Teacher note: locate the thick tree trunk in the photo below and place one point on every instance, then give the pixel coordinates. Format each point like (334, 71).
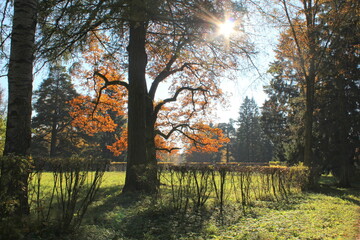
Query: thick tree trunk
(138, 177)
(20, 78)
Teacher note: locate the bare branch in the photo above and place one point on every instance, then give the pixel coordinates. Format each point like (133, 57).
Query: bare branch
(107, 83)
(167, 149)
(174, 129)
(166, 72)
(174, 98)
(178, 128)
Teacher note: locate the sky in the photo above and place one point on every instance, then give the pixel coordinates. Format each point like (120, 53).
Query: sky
(250, 83)
(246, 84)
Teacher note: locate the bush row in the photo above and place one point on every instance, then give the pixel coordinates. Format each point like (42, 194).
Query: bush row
(194, 186)
(57, 203)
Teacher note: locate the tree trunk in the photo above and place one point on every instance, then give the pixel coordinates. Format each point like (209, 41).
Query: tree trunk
(310, 77)
(20, 78)
(54, 127)
(137, 177)
(308, 139)
(151, 173)
(344, 129)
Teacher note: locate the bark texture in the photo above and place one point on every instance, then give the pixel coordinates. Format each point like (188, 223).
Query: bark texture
(20, 78)
(139, 172)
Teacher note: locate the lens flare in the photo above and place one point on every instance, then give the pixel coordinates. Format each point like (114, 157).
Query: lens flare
(226, 28)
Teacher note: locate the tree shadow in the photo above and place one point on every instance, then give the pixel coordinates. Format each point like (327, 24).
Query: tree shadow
(328, 186)
(343, 193)
(164, 223)
(135, 216)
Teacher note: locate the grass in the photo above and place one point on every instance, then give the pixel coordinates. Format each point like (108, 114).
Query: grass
(331, 213)
(308, 216)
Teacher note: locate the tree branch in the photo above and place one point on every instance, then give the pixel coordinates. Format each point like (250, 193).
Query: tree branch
(107, 83)
(167, 149)
(166, 72)
(174, 98)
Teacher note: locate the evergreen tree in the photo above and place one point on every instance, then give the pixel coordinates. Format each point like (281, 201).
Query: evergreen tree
(229, 148)
(338, 127)
(253, 145)
(280, 117)
(52, 121)
(335, 100)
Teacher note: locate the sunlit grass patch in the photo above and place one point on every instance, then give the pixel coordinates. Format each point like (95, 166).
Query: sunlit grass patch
(313, 216)
(332, 213)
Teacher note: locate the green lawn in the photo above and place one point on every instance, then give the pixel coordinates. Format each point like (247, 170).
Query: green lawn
(331, 213)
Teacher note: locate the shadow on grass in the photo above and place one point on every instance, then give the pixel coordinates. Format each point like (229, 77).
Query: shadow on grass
(134, 216)
(328, 186)
(163, 223)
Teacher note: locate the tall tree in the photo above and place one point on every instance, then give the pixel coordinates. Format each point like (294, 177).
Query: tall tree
(304, 30)
(280, 112)
(339, 91)
(52, 107)
(332, 29)
(251, 140)
(20, 78)
(174, 41)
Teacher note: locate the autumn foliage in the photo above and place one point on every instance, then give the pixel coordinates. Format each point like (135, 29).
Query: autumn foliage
(181, 121)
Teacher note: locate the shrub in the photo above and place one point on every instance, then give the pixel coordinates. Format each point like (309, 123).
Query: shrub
(75, 182)
(193, 185)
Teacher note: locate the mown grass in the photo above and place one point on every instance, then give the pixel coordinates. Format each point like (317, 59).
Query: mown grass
(331, 213)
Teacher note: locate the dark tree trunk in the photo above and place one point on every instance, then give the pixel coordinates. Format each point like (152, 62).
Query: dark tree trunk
(308, 138)
(20, 78)
(138, 170)
(55, 121)
(151, 147)
(344, 129)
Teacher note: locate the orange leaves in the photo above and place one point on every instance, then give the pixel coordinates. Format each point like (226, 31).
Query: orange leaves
(95, 112)
(89, 119)
(120, 145)
(204, 138)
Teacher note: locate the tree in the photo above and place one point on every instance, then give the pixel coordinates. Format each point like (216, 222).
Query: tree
(280, 113)
(182, 49)
(338, 101)
(252, 143)
(20, 77)
(326, 30)
(52, 108)
(229, 132)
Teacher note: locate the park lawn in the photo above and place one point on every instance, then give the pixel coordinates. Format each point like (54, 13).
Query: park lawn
(331, 213)
(307, 216)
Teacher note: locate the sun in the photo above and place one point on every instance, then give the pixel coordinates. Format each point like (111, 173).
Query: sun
(226, 28)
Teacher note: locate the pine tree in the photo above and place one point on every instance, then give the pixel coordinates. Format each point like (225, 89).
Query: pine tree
(253, 145)
(52, 120)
